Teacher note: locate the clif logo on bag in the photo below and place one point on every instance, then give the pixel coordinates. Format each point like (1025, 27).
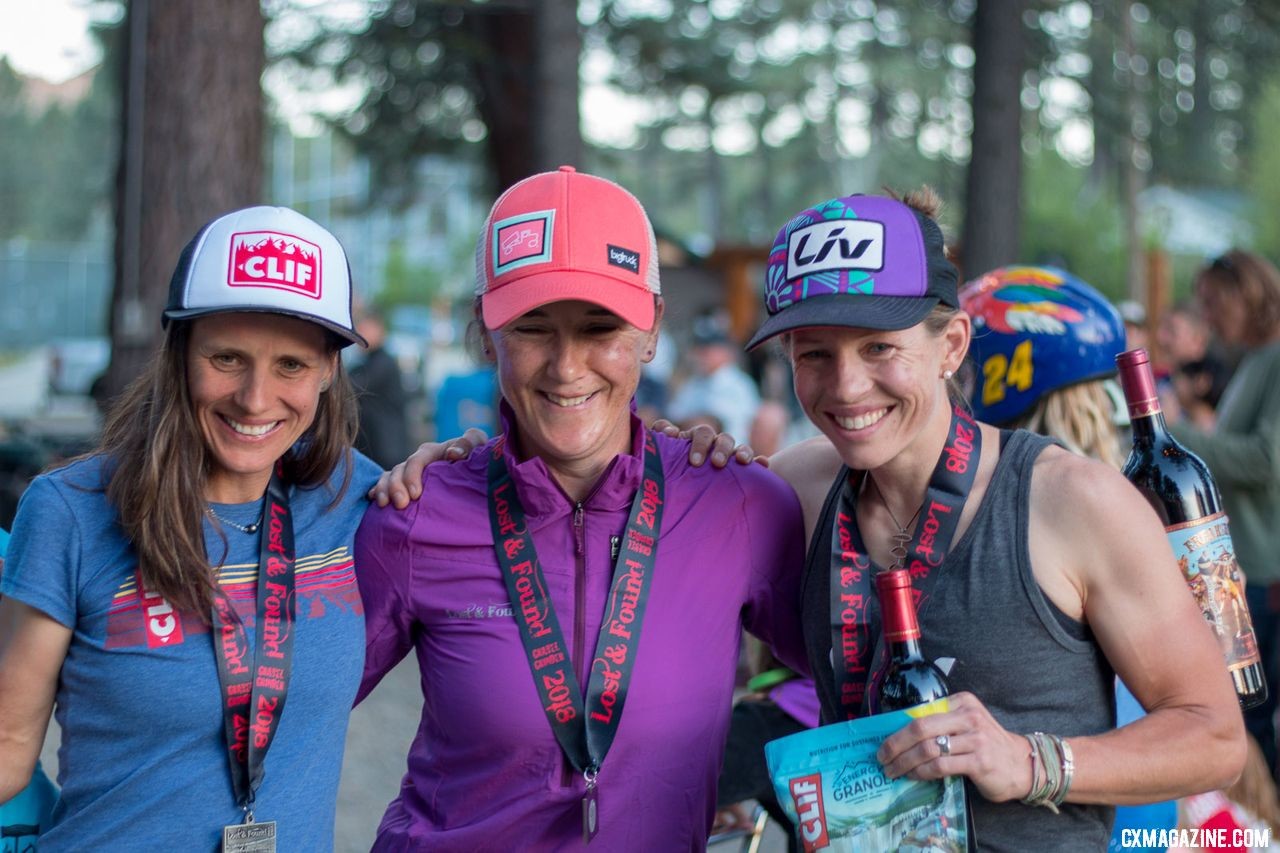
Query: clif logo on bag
(272, 259)
(806, 791)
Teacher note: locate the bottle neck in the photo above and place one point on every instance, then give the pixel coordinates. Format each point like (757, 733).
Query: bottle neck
(901, 630)
(1149, 428)
(1139, 385)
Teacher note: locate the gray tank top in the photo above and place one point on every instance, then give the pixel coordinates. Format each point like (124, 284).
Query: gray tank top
(1034, 667)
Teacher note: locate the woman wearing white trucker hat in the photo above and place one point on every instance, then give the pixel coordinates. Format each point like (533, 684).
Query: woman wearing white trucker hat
(574, 590)
(1039, 573)
(132, 593)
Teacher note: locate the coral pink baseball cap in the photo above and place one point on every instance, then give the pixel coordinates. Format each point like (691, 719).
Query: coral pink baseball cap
(567, 235)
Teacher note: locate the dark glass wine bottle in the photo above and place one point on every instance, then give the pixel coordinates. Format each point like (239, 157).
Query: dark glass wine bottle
(908, 679)
(1179, 486)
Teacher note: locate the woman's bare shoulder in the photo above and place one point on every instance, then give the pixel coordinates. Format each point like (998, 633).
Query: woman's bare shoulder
(809, 466)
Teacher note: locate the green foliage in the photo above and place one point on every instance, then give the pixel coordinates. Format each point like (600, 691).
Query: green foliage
(1068, 222)
(1264, 170)
(406, 283)
(56, 164)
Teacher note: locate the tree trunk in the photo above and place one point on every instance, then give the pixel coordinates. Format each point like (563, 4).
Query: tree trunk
(556, 126)
(1136, 266)
(504, 73)
(193, 130)
(993, 186)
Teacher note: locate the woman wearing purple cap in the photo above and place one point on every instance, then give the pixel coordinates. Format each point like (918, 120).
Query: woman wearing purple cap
(1040, 574)
(132, 596)
(575, 589)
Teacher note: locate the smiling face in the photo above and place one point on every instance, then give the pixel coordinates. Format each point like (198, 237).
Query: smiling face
(255, 382)
(569, 370)
(874, 393)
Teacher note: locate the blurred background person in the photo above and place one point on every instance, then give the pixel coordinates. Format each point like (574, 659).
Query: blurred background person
(1134, 315)
(1196, 368)
(719, 393)
(468, 399)
(1239, 296)
(380, 394)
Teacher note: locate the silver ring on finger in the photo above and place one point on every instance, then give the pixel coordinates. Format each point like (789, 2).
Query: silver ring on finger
(944, 744)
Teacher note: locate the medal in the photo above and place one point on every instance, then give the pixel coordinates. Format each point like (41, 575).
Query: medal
(590, 808)
(255, 682)
(249, 837)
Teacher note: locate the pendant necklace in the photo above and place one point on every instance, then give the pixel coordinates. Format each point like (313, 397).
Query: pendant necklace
(253, 528)
(903, 537)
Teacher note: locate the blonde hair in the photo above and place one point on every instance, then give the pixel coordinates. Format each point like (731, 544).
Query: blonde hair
(1081, 417)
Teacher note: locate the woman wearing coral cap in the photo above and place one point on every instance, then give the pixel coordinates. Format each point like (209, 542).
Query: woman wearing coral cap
(574, 590)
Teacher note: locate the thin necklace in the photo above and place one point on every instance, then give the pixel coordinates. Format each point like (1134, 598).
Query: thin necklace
(903, 536)
(253, 528)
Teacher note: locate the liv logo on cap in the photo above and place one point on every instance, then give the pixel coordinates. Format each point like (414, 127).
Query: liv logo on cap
(850, 244)
(272, 259)
(860, 261)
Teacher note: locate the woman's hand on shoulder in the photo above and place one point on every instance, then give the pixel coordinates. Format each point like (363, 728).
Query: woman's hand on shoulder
(995, 759)
(403, 483)
(705, 441)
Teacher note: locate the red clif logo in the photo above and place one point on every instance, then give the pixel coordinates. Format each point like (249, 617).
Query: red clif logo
(162, 623)
(272, 259)
(806, 791)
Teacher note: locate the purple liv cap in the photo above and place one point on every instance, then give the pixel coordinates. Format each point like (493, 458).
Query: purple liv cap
(863, 261)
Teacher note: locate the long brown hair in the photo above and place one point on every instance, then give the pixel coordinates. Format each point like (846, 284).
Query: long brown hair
(1256, 281)
(158, 465)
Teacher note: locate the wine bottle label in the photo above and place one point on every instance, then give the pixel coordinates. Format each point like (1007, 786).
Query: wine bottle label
(1208, 563)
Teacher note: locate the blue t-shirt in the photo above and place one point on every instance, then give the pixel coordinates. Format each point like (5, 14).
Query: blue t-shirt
(143, 762)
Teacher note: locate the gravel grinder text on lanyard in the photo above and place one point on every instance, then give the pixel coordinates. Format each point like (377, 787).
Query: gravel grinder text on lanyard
(584, 737)
(254, 686)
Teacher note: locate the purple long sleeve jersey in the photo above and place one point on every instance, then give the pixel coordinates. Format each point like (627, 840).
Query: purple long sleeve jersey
(485, 771)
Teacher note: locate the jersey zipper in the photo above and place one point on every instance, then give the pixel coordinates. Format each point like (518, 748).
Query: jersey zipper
(579, 615)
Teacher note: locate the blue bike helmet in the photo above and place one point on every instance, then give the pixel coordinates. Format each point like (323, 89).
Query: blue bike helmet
(1035, 330)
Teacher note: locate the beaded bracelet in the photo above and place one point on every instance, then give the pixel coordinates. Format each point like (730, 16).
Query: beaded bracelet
(1052, 755)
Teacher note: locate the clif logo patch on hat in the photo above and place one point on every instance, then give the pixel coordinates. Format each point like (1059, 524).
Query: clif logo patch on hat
(835, 244)
(521, 240)
(273, 259)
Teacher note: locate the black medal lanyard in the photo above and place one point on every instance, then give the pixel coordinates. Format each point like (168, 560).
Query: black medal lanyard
(852, 568)
(254, 686)
(584, 734)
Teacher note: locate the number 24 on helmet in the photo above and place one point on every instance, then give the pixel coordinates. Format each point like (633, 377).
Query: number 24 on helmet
(1035, 330)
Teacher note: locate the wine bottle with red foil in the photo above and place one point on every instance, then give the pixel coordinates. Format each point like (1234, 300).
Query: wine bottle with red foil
(907, 679)
(1179, 486)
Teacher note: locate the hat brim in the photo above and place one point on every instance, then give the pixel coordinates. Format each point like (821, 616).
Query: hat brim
(851, 310)
(348, 335)
(631, 302)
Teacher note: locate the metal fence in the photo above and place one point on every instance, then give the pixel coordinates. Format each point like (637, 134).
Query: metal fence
(53, 290)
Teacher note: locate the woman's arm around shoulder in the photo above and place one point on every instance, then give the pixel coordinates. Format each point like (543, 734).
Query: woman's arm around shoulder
(810, 466)
(1094, 530)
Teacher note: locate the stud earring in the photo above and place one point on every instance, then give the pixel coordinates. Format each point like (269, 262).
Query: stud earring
(324, 386)
(946, 374)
